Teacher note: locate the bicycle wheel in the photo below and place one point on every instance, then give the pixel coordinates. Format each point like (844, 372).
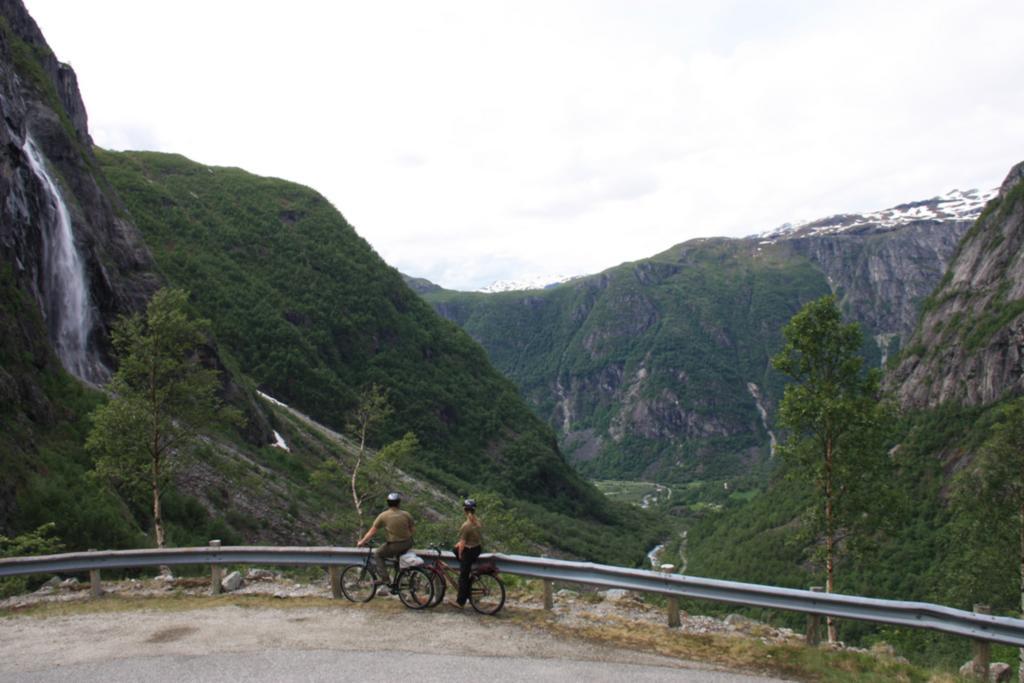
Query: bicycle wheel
(415, 588)
(357, 583)
(439, 587)
(486, 593)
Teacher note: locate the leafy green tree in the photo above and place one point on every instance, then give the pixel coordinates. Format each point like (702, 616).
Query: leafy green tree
(836, 426)
(989, 503)
(41, 541)
(162, 396)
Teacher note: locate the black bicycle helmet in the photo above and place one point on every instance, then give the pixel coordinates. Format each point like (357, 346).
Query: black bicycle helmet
(394, 498)
(469, 504)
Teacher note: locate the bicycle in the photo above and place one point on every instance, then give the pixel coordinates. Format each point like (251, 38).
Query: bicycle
(413, 585)
(486, 590)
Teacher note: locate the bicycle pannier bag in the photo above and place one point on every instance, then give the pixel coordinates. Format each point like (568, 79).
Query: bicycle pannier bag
(409, 560)
(485, 567)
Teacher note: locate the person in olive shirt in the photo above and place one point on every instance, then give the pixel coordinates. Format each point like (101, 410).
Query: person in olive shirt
(399, 526)
(468, 548)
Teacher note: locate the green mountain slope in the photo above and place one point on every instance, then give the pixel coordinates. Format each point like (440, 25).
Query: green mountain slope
(650, 369)
(306, 308)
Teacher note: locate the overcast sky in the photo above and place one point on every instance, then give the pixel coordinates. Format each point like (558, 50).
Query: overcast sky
(476, 141)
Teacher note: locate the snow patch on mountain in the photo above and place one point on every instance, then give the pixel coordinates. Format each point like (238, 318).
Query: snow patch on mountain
(536, 282)
(956, 205)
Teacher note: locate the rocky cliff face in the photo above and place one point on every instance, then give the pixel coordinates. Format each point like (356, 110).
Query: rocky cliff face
(41, 101)
(883, 265)
(881, 279)
(969, 345)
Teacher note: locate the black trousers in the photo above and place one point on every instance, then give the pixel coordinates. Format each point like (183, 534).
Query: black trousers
(469, 556)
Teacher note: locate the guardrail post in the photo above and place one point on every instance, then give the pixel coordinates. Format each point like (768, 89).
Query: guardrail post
(814, 622)
(673, 612)
(549, 597)
(215, 572)
(982, 649)
(335, 571)
(95, 587)
(673, 601)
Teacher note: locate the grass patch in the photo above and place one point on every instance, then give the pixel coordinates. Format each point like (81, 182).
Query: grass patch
(634, 492)
(992, 321)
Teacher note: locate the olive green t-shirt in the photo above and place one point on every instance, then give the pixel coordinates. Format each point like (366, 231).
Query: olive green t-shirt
(398, 524)
(470, 534)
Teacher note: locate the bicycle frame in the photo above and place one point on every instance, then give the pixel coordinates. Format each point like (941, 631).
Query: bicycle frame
(362, 585)
(389, 563)
(441, 568)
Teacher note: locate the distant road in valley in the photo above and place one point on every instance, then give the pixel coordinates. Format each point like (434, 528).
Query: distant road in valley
(231, 643)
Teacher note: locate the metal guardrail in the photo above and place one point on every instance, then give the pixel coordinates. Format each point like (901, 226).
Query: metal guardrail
(173, 557)
(981, 627)
(896, 612)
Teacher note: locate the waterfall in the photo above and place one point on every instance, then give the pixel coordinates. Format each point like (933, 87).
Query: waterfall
(65, 292)
(756, 393)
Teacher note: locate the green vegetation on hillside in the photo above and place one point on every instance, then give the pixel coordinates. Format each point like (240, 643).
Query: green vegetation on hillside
(919, 554)
(311, 313)
(39, 541)
(42, 428)
(988, 505)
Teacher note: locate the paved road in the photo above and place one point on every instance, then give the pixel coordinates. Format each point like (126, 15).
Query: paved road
(231, 643)
(333, 665)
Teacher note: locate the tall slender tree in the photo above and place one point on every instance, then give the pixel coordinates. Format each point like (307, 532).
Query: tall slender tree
(161, 397)
(835, 425)
(366, 470)
(372, 409)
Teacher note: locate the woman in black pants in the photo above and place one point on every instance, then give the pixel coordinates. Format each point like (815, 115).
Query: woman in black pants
(468, 548)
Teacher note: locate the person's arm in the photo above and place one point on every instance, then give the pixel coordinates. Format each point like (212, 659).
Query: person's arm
(367, 537)
(461, 544)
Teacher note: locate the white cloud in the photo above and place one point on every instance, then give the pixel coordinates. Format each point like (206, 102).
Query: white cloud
(468, 140)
